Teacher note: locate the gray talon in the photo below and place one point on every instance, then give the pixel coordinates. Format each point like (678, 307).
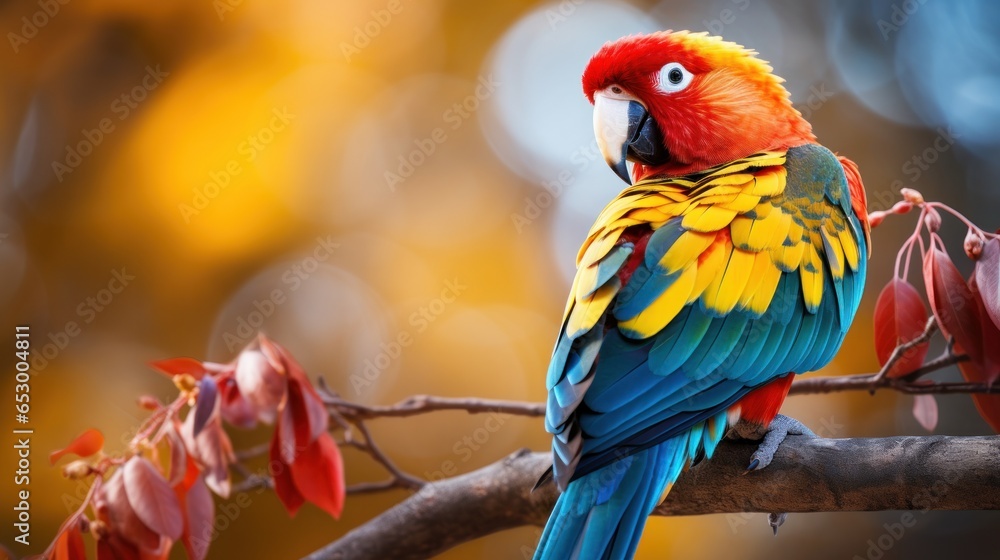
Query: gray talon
(776, 433)
(776, 520)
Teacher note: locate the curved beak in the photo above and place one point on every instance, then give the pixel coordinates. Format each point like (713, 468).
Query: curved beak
(626, 132)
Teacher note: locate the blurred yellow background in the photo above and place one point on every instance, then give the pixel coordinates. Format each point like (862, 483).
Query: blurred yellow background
(343, 174)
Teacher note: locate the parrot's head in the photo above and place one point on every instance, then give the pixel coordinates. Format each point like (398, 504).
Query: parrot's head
(675, 103)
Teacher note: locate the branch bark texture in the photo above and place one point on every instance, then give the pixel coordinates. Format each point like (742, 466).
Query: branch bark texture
(807, 475)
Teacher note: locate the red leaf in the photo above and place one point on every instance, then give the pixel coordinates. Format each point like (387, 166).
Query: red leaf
(990, 363)
(900, 316)
(988, 370)
(152, 499)
(295, 423)
(987, 405)
(988, 278)
(191, 475)
(309, 407)
(86, 444)
(69, 545)
(318, 473)
(208, 401)
(291, 366)
(925, 410)
(952, 302)
(288, 432)
(116, 548)
(104, 551)
(199, 515)
(284, 486)
(179, 366)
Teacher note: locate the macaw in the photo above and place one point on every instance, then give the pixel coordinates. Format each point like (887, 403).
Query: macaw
(735, 258)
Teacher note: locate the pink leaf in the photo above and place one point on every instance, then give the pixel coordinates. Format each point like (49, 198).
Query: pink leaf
(212, 451)
(113, 507)
(178, 456)
(925, 410)
(152, 498)
(261, 382)
(988, 278)
(198, 520)
(236, 410)
(86, 444)
(900, 316)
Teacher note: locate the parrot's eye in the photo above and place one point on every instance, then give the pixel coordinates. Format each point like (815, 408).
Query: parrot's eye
(674, 77)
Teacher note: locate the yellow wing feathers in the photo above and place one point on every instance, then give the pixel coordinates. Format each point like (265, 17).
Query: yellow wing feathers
(739, 235)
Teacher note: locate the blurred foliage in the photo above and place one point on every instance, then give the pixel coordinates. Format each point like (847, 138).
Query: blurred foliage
(232, 156)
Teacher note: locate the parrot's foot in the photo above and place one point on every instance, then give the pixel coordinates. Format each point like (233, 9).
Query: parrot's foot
(770, 438)
(776, 433)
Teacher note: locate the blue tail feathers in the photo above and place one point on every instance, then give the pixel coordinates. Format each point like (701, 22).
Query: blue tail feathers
(601, 515)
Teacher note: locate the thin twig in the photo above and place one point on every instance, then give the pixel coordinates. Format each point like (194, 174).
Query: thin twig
(372, 487)
(253, 482)
(902, 349)
(404, 479)
(421, 404)
(251, 452)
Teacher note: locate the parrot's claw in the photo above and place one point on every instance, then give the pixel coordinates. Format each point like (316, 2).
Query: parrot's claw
(776, 433)
(776, 520)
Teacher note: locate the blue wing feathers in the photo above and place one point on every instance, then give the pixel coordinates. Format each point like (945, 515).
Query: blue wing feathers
(628, 415)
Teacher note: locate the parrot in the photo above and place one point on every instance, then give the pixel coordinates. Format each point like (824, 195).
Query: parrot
(734, 258)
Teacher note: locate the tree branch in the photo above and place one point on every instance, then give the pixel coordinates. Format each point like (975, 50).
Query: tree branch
(808, 474)
(422, 404)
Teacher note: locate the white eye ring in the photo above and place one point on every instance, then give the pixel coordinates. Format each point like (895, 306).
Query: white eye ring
(674, 77)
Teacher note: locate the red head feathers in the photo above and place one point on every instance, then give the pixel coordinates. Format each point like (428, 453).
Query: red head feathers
(713, 101)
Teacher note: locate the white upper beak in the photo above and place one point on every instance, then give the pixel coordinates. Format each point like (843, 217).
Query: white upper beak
(611, 127)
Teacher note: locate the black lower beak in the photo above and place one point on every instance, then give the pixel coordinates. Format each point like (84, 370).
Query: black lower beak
(646, 140)
(645, 144)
